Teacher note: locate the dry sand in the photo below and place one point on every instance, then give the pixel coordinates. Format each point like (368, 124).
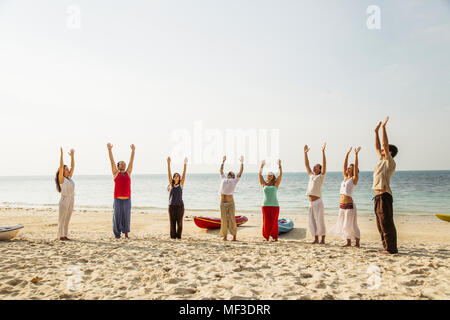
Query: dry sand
(201, 266)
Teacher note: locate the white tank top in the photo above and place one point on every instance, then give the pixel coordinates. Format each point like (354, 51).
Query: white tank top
(347, 187)
(68, 188)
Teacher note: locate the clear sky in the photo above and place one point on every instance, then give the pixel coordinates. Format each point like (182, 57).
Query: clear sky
(135, 71)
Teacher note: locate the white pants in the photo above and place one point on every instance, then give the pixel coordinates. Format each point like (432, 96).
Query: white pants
(347, 225)
(65, 213)
(316, 218)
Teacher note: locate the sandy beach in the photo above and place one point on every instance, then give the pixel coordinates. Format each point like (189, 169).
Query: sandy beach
(150, 265)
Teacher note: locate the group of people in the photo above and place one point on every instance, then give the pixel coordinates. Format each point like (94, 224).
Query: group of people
(346, 225)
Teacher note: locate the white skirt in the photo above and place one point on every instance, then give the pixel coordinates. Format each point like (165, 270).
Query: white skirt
(347, 225)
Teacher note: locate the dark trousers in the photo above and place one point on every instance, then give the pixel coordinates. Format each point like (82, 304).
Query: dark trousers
(176, 214)
(121, 217)
(385, 221)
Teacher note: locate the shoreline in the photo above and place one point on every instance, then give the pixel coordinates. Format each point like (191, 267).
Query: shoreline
(150, 210)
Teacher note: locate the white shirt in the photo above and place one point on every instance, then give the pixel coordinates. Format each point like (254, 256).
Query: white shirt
(383, 173)
(227, 185)
(315, 185)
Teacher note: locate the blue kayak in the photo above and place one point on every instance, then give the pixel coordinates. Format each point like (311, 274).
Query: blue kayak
(285, 225)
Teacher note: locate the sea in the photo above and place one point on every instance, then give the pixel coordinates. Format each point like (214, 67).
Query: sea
(415, 192)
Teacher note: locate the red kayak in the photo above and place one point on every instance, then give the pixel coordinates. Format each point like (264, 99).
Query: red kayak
(214, 223)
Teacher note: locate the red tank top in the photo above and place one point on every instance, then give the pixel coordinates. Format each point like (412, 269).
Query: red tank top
(122, 185)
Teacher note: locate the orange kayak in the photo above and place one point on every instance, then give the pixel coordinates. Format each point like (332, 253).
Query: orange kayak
(214, 223)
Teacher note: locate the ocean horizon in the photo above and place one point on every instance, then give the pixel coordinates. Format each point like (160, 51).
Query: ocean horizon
(421, 192)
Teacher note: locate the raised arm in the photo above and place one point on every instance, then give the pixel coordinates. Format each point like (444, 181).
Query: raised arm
(61, 168)
(130, 165)
(72, 162)
(111, 159)
(184, 172)
(355, 167)
(280, 175)
(346, 162)
(308, 169)
(261, 179)
(169, 172)
(324, 160)
(385, 138)
(221, 166)
(377, 140)
(241, 159)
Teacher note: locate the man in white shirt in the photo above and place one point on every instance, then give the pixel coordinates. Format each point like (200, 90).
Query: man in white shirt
(227, 208)
(382, 174)
(314, 193)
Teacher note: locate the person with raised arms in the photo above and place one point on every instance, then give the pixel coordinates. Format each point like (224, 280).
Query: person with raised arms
(347, 224)
(382, 174)
(314, 193)
(65, 186)
(227, 208)
(122, 193)
(271, 207)
(176, 204)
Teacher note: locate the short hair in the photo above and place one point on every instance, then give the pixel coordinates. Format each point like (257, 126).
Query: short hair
(393, 150)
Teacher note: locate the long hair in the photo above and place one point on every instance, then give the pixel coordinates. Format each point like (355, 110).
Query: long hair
(173, 178)
(352, 164)
(173, 181)
(273, 181)
(58, 185)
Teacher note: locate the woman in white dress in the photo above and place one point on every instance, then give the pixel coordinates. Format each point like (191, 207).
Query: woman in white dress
(347, 225)
(65, 186)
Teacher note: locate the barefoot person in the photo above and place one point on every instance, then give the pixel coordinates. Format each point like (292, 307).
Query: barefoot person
(347, 225)
(122, 193)
(227, 209)
(383, 193)
(270, 208)
(314, 192)
(176, 205)
(65, 186)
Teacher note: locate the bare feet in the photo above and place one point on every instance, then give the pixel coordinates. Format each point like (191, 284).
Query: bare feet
(234, 238)
(384, 252)
(315, 242)
(323, 240)
(126, 236)
(62, 239)
(225, 239)
(357, 243)
(348, 244)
